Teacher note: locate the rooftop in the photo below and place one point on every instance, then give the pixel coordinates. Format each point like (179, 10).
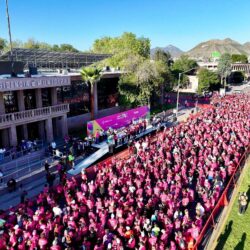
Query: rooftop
(51, 59)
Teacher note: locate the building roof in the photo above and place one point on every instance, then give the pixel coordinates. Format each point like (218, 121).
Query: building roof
(41, 58)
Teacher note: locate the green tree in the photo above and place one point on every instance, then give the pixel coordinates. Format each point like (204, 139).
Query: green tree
(65, 47)
(208, 80)
(138, 85)
(3, 44)
(91, 75)
(161, 55)
(237, 77)
(15, 44)
(184, 63)
(121, 48)
(55, 47)
(239, 58)
(224, 67)
(33, 44)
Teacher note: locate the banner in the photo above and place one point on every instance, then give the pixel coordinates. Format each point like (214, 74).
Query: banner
(117, 121)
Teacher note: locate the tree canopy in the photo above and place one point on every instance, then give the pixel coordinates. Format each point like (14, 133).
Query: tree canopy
(90, 74)
(3, 43)
(121, 48)
(208, 80)
(224, 66)
(183, 64)
(237, 77)
(141, 80)
(239, 58)
(161, 55)
(34, 44)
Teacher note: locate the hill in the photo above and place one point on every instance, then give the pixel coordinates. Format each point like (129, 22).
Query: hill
(247, 47)
(205, 49)
(174, 51)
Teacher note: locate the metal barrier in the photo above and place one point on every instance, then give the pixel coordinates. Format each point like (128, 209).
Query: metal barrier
(24, 167)
(214, 217)
(11, 155)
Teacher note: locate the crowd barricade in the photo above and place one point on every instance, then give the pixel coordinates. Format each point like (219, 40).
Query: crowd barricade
(226, 195)
(121, 155)
(11, 154)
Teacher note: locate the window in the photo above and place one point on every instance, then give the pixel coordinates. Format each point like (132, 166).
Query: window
(29, 99)
(46, 97)
(108, 93)
(78, 97)
(10, 102)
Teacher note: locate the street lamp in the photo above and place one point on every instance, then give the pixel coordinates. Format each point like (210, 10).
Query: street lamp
(178, 89)
(10, 39)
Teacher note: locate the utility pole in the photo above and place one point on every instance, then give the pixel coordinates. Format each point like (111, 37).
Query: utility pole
(178, 90)
(10, 39)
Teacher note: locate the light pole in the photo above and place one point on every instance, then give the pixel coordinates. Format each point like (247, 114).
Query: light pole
(10, 39)
(178, 89)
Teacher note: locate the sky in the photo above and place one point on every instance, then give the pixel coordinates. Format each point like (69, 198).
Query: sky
(183, 23)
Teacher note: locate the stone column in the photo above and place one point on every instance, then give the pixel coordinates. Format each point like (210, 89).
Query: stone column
(41, 130)
(25, 131)
(58, 126)
(20, 100)
(39, 102)
(64, 125)
(13, 136)
(49, 130)
(2, 107)
(5, 137)
(95, 98)
(53, 96)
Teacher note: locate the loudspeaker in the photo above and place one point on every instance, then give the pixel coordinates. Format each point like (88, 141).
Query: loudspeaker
(32, 70)
(6, 68)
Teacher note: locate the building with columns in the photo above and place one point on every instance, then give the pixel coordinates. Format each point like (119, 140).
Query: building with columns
(243, 67)
(29, 109)
(45, 105)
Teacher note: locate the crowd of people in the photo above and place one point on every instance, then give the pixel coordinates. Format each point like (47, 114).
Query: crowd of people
(157, 198)
(127, 133)
(70, 150)
(121, 135)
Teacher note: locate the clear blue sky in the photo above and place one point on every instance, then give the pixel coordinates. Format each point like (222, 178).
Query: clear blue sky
(183, 23)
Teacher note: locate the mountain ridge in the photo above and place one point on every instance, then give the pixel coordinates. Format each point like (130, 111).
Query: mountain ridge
(206, 48)
(174, 51)
(227, 45)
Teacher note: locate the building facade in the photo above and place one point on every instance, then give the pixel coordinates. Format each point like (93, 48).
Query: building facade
(42, 107)
(29, 109)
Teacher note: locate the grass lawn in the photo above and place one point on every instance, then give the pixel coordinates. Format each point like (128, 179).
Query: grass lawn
(236, 232)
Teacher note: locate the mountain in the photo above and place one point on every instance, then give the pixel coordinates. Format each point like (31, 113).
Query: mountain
(174, 51)
(247, 47)
(205, 49)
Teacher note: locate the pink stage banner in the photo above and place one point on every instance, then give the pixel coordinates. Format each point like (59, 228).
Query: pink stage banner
(117, 121)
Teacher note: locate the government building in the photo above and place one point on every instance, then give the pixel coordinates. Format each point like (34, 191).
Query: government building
(45, 96)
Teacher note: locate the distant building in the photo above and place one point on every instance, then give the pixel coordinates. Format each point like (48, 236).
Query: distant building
(243, 67)
(208, 65)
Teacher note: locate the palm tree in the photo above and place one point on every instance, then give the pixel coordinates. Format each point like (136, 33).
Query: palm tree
(91, 75)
